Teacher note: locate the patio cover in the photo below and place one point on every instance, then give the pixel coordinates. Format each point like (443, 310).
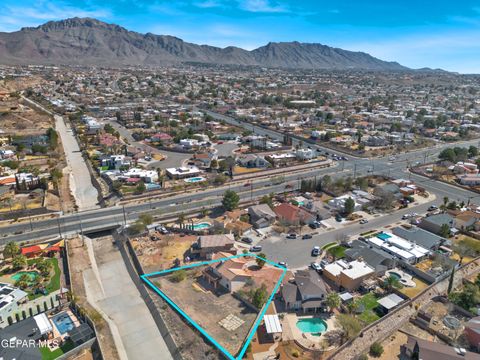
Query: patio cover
(43, 324)
(272, 323)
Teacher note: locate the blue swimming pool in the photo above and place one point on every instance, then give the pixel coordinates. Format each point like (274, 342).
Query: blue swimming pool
(63, 322)
(383, 236)
(201, 226)
(194, 179)
(314, 326)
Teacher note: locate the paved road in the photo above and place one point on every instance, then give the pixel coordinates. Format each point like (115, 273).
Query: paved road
(85, 194)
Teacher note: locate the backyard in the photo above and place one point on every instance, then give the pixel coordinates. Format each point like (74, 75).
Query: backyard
(367, 304)
(47, 354)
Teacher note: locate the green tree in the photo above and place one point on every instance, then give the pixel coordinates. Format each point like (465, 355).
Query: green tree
(445, 231)
(260, 296)
(10, 250)
(19, 262)
(332, 301)
(141, 188)
(349, 206)
(472, 151)
(146, 219)
(230, 200)
(260, 260)
(350, 325)
(178, 276)
(267, 199)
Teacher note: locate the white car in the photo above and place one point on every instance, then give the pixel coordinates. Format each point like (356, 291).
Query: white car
(315, 266)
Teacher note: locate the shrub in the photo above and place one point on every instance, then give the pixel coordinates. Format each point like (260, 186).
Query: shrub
(178, 276)
(376, 349)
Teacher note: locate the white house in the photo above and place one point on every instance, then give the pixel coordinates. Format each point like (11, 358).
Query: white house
(10, 298)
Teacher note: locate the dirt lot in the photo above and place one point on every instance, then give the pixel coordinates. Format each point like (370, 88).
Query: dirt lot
(207, 308)
(160, 254)
(79, 262)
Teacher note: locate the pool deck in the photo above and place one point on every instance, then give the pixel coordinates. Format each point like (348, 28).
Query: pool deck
(292, 332)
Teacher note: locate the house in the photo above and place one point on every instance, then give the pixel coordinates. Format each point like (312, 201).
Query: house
(469, 179)
(465, 168)
(115, 162)
(10, 299)
(388, 303)
(253, 161)
(377, 259)
(317, 207)
(434, 223)
(293, 215)
(465, 220)
(400, 248)
(348, 275)
(361, 199)
(232, 274)
(183, 172)
(472, 332)
(420, 237)
(281, 159)
(305, 154)
(207, 245)
(203, 160)
(417, 348)
(306, 292)
(261, 216)
(162, 138)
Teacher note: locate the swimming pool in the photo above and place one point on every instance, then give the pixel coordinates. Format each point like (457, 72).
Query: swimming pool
(201, 226)
(194, 179)
(63, 322)
(383, 236)
(32, 275)
(395, 275)
(314, 326)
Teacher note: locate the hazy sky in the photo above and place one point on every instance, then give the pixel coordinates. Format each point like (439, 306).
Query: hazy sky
(421, 33)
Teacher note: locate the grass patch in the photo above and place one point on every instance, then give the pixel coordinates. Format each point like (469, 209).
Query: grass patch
(329, 245)
(50, 355)
(337, 252)
(369, 303)
(54, 283)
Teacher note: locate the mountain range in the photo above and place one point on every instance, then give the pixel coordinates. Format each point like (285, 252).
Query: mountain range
(86, 41)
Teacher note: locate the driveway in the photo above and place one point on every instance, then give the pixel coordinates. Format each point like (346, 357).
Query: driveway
(85, 194)
(137, 335)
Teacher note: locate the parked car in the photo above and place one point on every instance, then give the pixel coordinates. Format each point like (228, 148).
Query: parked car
(324, 263)
(292, 236)
(246, 240)
(433, 208)
(256, 248)
(316, 251)
(282, 263)
(306, 236)
(364, 221)
(315, 266)
(406, 216)
(338, 218)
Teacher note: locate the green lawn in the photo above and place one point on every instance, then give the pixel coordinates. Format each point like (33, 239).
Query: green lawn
(369, 302)
(330, 244)
(54, 283)
(50, 355)
(337, 251)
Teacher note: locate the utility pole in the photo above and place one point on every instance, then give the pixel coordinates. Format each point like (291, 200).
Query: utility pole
(355, 170)
(124, 216)
(30, 219)
(59, 229)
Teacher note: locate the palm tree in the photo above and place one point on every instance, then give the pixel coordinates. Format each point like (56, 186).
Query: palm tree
(332, 301)
(181, 219)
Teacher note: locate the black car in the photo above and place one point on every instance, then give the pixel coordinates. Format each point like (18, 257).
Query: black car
(292, 236)
(246, 240)
(306, 236)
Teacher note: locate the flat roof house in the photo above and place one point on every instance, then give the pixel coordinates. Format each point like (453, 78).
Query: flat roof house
(10, 297)
(182, 172)
(348, 275)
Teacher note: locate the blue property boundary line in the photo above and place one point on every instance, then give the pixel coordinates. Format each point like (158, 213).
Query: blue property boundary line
(198, 327)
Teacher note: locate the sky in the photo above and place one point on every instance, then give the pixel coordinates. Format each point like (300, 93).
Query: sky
(421, 33)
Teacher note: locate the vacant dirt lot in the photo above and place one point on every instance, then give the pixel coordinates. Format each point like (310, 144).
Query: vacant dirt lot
(207, 308)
